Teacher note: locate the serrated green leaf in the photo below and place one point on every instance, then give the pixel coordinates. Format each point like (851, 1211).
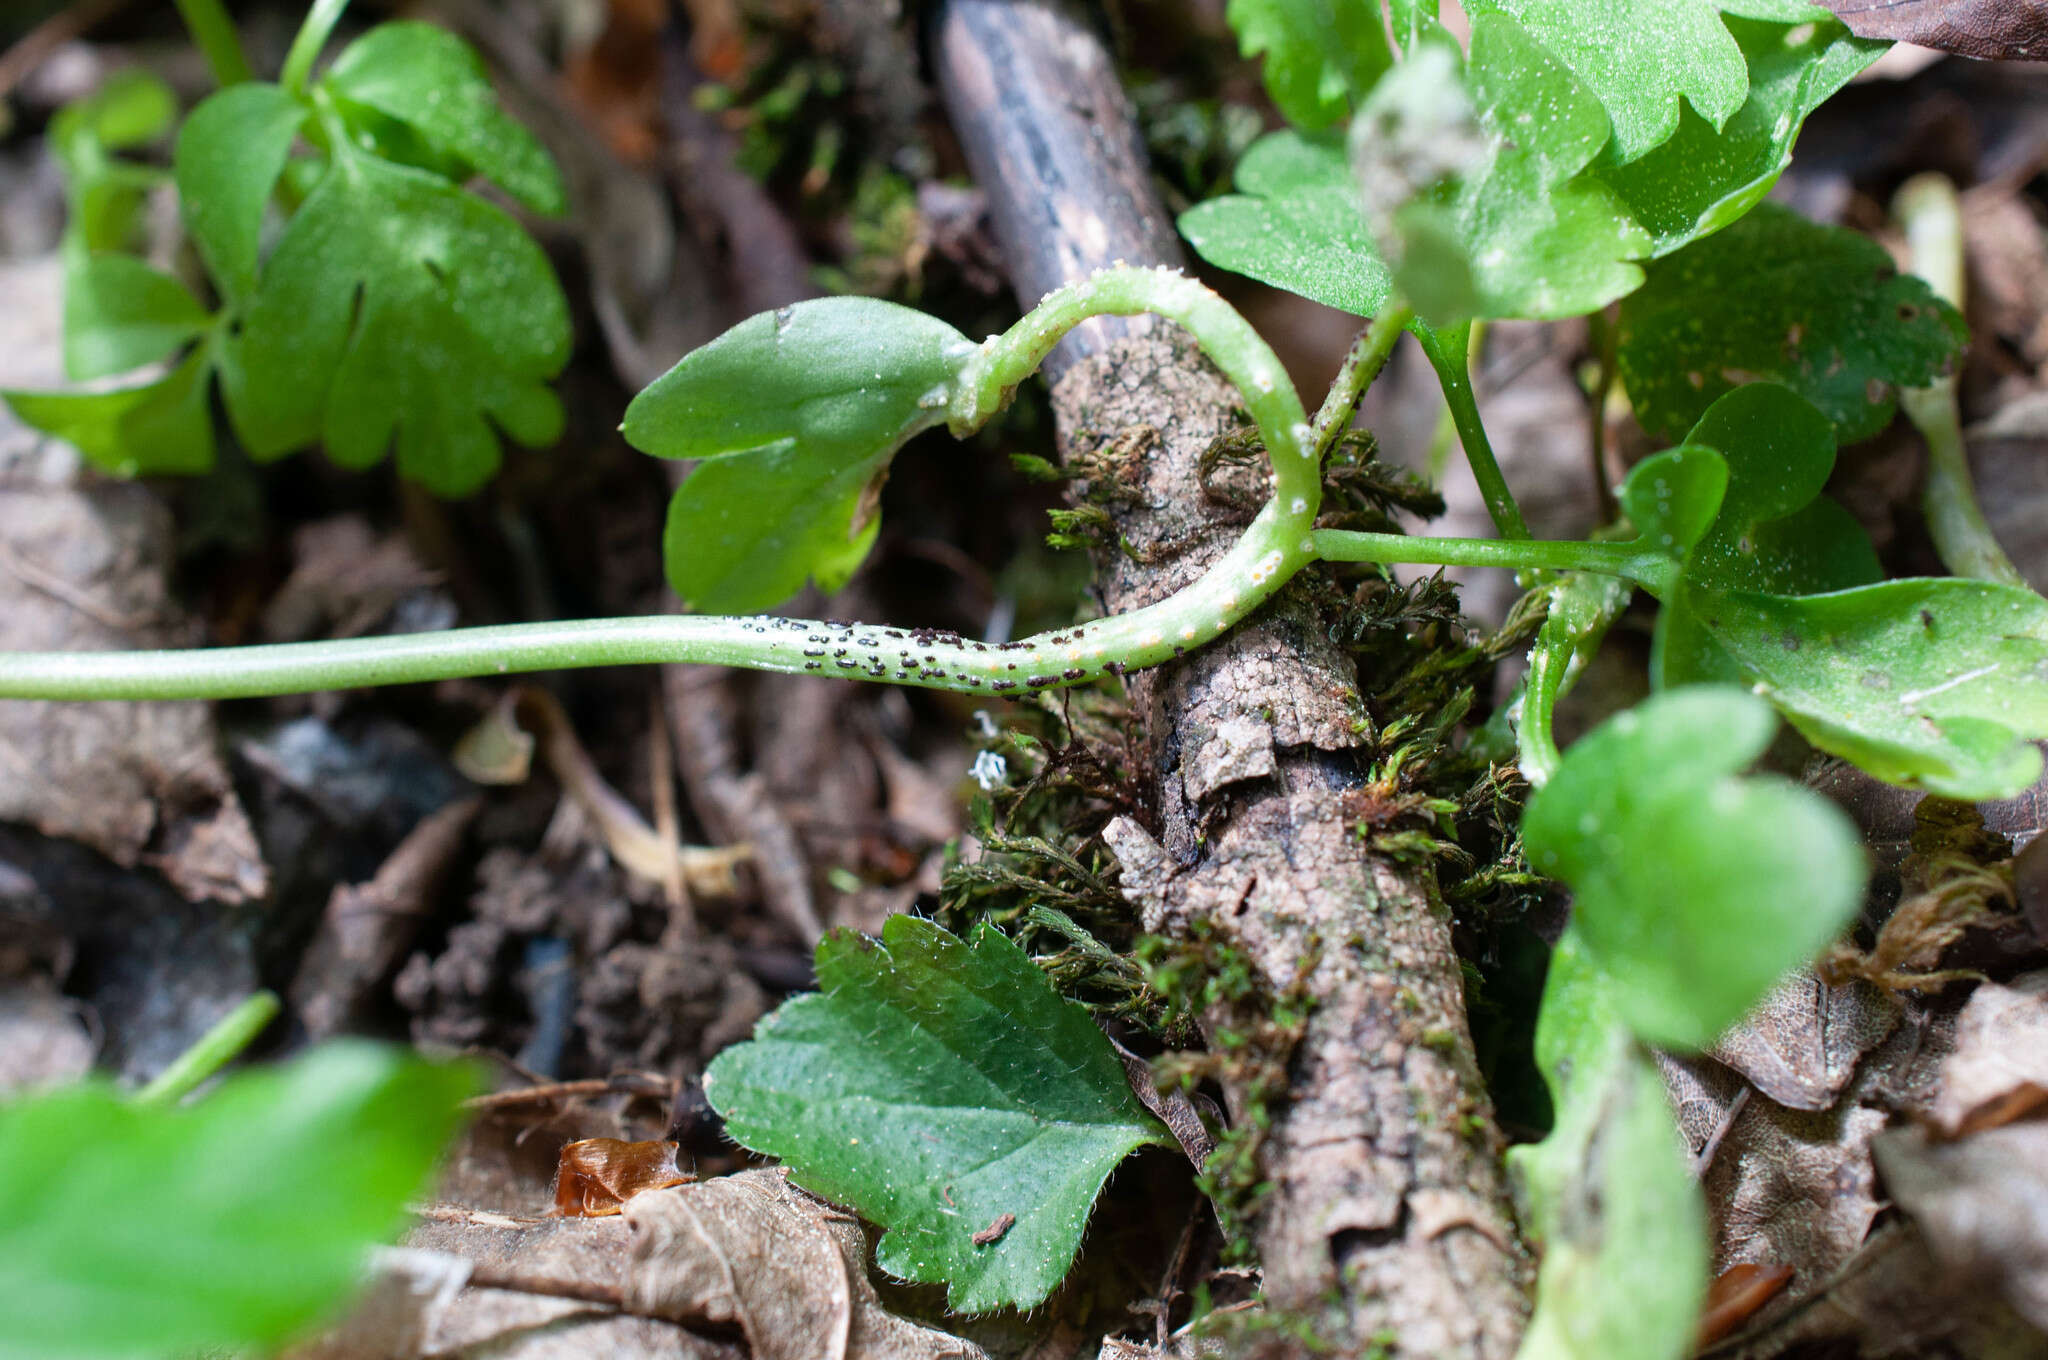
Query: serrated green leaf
(434, 84)
(227, 161)
(802, 408)
(936, 1086)
(1701, 178)
(1610, 1191)
(1639, 59)
(165, 426)
(234, 1222)
(1295, 224)
(1941, 684)
(1693, 890)
(1321, 56)
(1819, 309)
(1774, 530)
(397, 306)
(120, 314)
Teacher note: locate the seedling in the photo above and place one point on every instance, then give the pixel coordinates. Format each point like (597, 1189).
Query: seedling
(1580, 153)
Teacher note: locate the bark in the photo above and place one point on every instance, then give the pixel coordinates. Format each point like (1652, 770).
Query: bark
(1389, 1226)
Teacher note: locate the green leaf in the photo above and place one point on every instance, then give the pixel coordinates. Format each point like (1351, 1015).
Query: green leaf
(1639, 58)
(817, 397)
(165, 426)
(1820, 309)
(1701, 178)
(1610, 1190)
(1321, 55)
(937, 1086)
(1692, 889)
(1672, 498)
(227, 162)
(1295, 224)
(120, 314)
(231, 1223)
(431, 81)
(1582, 606)
(1940, 684)
(105, 193)
(1774, 532)
(397, 306)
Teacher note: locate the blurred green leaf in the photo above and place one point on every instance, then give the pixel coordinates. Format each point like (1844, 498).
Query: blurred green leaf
(937, 1086)
(1693, 889)
(1610, 1190)
(227, 162)
(1321, 56)
(429, 80)
(802, 409)
(120, 314)
(1776, 297)
(233, 1222)
(164, 426)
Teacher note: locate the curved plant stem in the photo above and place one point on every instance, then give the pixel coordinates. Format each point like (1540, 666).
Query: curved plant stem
(1927, 207)
(1277, 544)
(1447, 350)
(214, 1050)
(1583, 605)
(305, 48)
(214, 32)
(1362, 363)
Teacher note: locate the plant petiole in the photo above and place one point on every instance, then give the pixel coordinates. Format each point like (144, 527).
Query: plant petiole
(305, 48)
(1362, 363)
(213, 31)
(212, 1051)
(1652, 571)
(1448, 354)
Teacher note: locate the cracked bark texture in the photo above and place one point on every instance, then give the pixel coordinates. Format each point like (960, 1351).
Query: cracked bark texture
(1390, 1225)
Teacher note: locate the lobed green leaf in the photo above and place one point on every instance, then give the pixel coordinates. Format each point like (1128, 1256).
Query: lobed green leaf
(1693, 889)
(802, 409)
(1702, 178)
(937, 1086)
(397, 307)
(1819, 309)
(1295, 224)
(1321, 55)
(431, 82)
(231, 1223)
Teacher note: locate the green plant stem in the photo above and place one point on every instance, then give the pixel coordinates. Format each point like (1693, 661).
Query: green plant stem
(1362, 363)
(214, 1050)
(1277, 544)
(305, 48)
(1653, 571)
(1448, 350)
(1927, 207)
(214, 32)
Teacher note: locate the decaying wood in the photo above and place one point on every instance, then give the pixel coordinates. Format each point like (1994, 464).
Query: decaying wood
(1390, 1222)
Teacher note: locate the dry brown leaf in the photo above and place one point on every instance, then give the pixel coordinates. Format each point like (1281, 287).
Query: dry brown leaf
(751, 1250)
(1801, 1043)
(87, 570)
(1735, 1295)
(2006, 30)
(596, 1176)
(1981, 1204)
(1999, 1068)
